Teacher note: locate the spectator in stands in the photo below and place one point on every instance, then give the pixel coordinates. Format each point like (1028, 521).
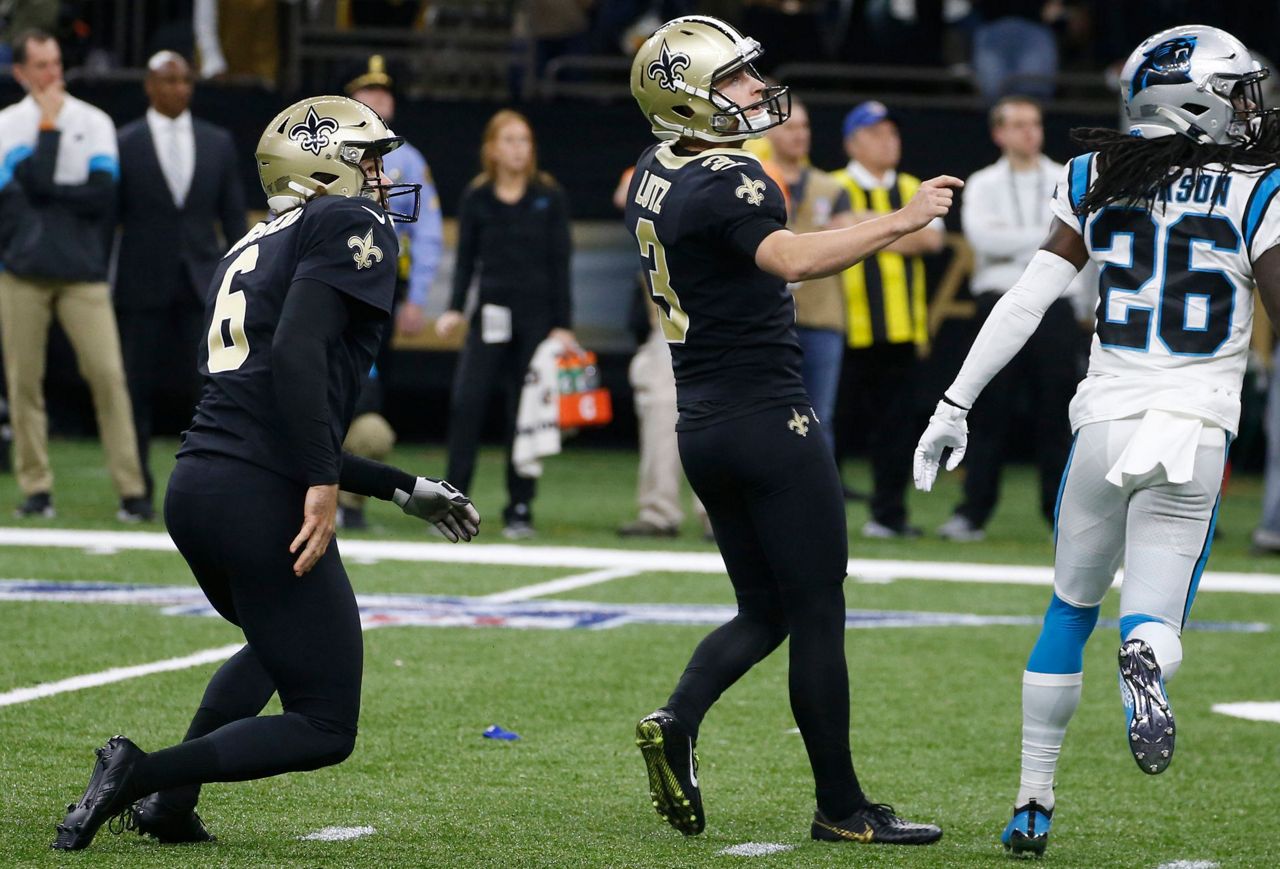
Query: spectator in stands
(238, 38)
(169, 241)
(1015, 38)
(421, 244)
(886, 330)
(58, 171)
(513, 229)
(1005, 210)
(815, 198)
(653, 387)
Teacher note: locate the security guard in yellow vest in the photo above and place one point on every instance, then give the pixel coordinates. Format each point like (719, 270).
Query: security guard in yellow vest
(816, 199)
(885, 295)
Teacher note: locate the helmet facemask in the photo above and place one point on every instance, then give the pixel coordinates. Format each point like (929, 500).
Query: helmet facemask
(1245, 93)
(771, 110)
(356, 153)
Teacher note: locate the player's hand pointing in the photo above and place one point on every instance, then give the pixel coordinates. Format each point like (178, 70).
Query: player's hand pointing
(932, 199)
(319, 521)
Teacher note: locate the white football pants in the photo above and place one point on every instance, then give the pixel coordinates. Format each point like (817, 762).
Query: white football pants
(1158, 530)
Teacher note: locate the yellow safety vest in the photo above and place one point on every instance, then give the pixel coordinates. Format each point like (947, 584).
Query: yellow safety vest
(885, 292)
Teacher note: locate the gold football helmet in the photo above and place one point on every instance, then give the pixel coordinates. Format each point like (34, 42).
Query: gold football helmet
(674, 76)
(320, 142)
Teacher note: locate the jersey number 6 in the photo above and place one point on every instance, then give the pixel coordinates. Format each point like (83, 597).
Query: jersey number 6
(1194, 306)
(228, 346)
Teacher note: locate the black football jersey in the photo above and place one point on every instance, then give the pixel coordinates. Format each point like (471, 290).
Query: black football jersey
(347, 243)
(698, 219)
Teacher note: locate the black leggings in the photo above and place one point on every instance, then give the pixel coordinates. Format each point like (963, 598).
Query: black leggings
(775, 504)
(233, 523)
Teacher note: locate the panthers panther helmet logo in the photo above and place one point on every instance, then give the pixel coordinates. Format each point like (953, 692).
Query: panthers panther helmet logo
(1167, 63)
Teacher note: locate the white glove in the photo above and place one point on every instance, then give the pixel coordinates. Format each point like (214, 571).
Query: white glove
(947, 430)
(442, 505)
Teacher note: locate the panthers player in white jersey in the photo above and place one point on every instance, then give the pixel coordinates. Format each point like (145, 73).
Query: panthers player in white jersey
(1179, 216)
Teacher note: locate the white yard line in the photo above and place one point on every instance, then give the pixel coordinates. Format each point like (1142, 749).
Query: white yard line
(118, 674)
(1251, 711)
(210, 656)
(337, 834)
(555, 586)
(638, 560)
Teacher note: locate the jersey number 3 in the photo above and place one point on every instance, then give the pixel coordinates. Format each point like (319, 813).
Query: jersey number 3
(675, 322)
(228, 346)
(1194, 306)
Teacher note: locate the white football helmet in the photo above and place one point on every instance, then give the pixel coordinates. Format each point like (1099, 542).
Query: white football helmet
(1194, 80)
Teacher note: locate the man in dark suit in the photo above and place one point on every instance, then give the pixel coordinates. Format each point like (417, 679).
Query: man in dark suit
(178, 186)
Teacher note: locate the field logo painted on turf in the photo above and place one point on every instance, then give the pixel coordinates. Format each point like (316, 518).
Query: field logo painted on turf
(442, 611)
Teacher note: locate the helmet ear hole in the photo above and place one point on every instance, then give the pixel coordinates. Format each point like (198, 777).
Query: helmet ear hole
(1194, 108)
(683, 111)
(325, 178)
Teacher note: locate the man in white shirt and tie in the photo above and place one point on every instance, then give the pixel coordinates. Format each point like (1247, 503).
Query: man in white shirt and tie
(1005, 214)
(181, 206)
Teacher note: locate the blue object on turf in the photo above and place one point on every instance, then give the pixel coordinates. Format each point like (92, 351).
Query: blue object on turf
(493, 731)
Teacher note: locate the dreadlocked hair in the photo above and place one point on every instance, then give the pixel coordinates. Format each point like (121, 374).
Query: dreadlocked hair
(1132, 170)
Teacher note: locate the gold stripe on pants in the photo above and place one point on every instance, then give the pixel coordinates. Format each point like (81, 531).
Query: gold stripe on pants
(83, 309)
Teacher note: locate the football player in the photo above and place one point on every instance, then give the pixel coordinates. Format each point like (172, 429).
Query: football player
(1178, 213)
(717, 257)
(295, 315)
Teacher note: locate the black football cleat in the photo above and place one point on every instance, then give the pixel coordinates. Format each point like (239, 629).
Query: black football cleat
(673, 771)
(874, 822)
(169, 826)
(102, 798)
(1148, 716)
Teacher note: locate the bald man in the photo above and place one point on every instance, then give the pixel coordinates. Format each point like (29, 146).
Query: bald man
(181, 207)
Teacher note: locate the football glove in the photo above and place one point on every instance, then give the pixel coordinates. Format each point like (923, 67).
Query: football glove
(438, 502)
(947, 431)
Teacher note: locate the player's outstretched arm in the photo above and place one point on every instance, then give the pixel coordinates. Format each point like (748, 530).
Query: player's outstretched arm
(816, 254)
(436, 501)
(1006, 330)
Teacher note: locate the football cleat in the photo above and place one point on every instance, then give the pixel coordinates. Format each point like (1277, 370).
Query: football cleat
(874, 822)
(672, 763)
(1149, 718)
(167, 825)
(102, 798)
(1028, 830)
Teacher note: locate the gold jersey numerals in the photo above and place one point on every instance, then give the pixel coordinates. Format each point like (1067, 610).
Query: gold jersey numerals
(228, 317)
(675, 322)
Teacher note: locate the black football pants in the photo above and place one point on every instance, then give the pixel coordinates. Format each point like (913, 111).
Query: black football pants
(483, 368)
(233, 523)
(774, 499)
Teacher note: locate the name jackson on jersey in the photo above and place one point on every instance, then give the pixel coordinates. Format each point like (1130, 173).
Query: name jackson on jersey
(698, 219)
(1175, 291)
(347, 243)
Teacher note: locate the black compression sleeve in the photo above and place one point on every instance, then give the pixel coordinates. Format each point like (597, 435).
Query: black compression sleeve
(361, 476)
(313, 317)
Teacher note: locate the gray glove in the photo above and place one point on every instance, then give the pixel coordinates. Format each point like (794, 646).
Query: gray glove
(438, 502)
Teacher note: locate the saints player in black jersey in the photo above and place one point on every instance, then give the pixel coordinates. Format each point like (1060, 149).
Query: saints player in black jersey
(296, 311)
(711, 228)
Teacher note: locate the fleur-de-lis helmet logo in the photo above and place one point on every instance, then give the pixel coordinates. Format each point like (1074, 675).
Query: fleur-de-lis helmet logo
(312, 132)
(665, 69)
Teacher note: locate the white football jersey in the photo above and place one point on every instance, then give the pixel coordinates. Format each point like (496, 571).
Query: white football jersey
(1175, 291)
